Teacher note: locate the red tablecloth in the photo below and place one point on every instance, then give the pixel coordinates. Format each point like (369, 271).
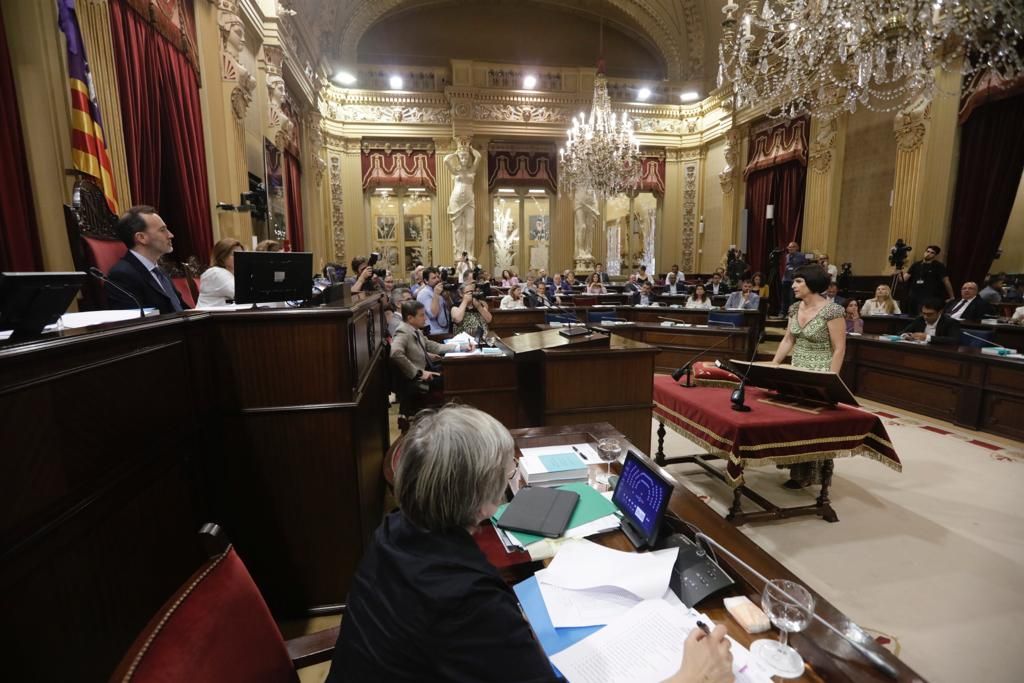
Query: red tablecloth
(768, 434)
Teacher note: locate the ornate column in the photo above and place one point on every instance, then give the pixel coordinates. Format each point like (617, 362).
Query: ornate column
(824, 185)
(926, 145)
(690, 174)
(334, 199)
(733, 188)
(442, 240)
(670, 240)
(314, 167)
(562, 249)
(357, 232)
(482, 213)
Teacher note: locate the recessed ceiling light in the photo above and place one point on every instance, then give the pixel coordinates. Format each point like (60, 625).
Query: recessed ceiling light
(395, 82)
(643, 93)
(535, 191)
(530, 82)
(506, 190)
(689, 96)
(344, 78)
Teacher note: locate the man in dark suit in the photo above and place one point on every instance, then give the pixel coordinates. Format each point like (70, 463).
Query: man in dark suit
(644, 297)
(148, 239)
(602, 276)
(716, 286)
(832, 295)
(969, 306)
(932, 326)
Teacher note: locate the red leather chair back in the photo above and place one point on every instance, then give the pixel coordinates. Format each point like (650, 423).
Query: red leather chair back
(103, 253)
(181, 284)
(215, 629)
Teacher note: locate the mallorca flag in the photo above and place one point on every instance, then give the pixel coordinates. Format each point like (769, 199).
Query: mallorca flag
(88, 147)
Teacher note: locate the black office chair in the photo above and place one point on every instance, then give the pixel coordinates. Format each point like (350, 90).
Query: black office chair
(725, 318)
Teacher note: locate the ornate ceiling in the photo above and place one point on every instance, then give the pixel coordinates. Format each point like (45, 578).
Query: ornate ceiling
(679, 37)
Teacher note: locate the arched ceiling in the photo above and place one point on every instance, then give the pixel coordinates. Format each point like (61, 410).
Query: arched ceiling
(677, 38)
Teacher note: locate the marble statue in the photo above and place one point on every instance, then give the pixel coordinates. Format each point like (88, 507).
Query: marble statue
(463, 164)
(587, 215)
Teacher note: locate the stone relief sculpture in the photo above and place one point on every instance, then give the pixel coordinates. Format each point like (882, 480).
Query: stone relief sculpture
(232, 33)
(463, 164)
(587, 214)
(505, 233)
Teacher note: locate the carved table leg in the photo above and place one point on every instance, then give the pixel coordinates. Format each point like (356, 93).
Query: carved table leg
(823, 502)
(736, 509)
(659, 455)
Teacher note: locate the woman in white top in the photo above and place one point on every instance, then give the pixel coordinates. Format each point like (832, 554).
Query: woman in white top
(217, 284)
(882, 304)
(514, 299)
(594, 285)
(699, 298)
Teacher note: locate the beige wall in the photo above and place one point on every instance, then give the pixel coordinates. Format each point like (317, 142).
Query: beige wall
(868, 170)
(716, 238)
(1012, 259)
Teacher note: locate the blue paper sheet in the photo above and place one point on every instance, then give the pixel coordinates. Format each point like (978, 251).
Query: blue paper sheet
(551, 639)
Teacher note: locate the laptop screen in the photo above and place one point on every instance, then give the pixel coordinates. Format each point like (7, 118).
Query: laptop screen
(642, 494)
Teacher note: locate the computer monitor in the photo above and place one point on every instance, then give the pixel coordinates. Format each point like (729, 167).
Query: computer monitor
(264, 276)
(642, 494)
(31, 301)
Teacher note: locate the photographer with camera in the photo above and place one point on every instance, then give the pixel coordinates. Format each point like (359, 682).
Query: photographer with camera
(735, 266)
(367, 278)
(927, 277)
(471, 315)
(431, 295)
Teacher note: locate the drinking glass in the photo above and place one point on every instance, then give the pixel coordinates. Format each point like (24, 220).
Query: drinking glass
(790, 606)
(608, 450)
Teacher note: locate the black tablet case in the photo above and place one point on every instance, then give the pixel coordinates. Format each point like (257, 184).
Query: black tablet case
(541, 511)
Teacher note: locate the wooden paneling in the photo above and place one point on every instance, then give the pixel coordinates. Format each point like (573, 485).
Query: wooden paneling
(913, 393)
(1004, 415)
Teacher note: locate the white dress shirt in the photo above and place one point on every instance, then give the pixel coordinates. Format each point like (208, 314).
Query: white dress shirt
(216, 286)
(960, 307)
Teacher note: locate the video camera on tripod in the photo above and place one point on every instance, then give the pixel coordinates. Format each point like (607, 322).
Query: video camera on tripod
(898, 254)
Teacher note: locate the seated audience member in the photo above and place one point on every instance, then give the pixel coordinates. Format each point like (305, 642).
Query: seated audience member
(508, 279)
(934, 327)
(411, 350)
(716, 285)
(538, 295)
(399, 296)
(745, 298)
(217, 284)
(832, 295)
(674, 282)
(969, 306)
(833, 272)
(631, 286)
(854, 323)
(1018, 316)
(645, 297)
(560, 285)
(759, 285)
(148, 239)
(269, 245)
(514, 299)
(431, 295)
(601, 275)
(543, 275)
(570, 279)
(363, 279)
(699, 298)
(471, 315)
(595, 286)
(425, 604)
(642, 276)
(993, 292)
(882, 304)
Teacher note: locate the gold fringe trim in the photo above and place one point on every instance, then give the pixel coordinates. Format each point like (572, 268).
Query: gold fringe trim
(718, 383)
(691, 423)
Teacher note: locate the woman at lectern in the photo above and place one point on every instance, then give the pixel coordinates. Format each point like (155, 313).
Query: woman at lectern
(425, 603)
(816, 334)
(217, 283)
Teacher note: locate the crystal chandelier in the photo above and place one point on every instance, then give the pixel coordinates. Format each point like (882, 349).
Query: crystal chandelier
(601, 153)
(824, 57)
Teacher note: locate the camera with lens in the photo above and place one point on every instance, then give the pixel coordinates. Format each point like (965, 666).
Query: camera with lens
(845, 277)
(372, 261)
(898, 253)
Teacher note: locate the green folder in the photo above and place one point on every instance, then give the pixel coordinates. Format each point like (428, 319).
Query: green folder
(591, 506)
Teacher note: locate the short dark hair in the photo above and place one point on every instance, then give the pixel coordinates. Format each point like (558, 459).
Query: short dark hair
(427, 272)
(933, 303)
(934, 247)
(131, 222)
(411, 308)
(814, 276)
(357, 264)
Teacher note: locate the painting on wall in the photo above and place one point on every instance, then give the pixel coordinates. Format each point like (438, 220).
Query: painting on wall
(538, 228)
(413, 257)
(386, 228)
(390, 256)
(413, 228)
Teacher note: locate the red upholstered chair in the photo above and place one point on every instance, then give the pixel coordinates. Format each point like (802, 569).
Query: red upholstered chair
(92, 238)
(218, 629)
(182, 285)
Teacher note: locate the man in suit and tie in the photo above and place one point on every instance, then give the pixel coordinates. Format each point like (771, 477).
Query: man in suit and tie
(412, 351)
(148, 239)
(602, 276)
(644, 297)
(716, 285)
(932, 326)
(969, 306)
(832, 295)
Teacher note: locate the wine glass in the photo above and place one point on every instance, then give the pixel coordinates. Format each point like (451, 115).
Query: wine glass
(790, 606)
(608, 450)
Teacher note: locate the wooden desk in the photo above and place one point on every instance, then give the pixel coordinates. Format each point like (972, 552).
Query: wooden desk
(679, 345)
(1004, 334)
(829, 657)
(120, 440)
(962, 386)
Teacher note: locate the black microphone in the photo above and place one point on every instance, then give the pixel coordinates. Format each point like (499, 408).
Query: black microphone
(98, 274)
(739, 394)
(686, 369)
(569, 331)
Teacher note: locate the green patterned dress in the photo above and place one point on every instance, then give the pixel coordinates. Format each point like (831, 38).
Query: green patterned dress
(812, 350)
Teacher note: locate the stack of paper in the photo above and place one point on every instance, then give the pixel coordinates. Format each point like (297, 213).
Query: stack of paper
(553, 469)
(593, 514)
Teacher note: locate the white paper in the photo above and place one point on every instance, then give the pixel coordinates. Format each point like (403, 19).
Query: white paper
(581, 564)
(592, 607)
(584, 450)
(87, 318)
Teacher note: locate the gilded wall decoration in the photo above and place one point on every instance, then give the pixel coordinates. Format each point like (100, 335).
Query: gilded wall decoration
(659, 125)
(911, 124)
(820, 157)
(732, 155)
(524, 113)
(232, 37)
(337, 209)
(393, 114)
(315, 138)
(689, 256)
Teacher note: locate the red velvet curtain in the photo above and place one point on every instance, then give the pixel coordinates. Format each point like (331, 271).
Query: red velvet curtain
(782, 186)
(19, 235)
(163, 130)
(990, 167)
(759, 196)
(293, 188)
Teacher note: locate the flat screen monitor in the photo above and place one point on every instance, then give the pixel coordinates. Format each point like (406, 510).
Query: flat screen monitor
(642, 495)
(265, 276)
(31, 301)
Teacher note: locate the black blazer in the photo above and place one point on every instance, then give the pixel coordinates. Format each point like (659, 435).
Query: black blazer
(723, 288)
(130, 274)
(634, 298)
(947, 330)
(975, 310)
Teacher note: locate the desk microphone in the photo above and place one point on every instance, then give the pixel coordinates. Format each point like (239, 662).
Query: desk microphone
(673, 320)
(98, 274)
(569, 331)
(987, 341)
(739, 394)
(687, 369)
(876, 660)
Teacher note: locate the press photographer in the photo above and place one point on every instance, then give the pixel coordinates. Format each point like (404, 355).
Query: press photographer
(367, 277)
(927, 278)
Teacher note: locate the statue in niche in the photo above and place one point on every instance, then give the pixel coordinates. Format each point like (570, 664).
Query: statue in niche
(463, 164)
(587, 214)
